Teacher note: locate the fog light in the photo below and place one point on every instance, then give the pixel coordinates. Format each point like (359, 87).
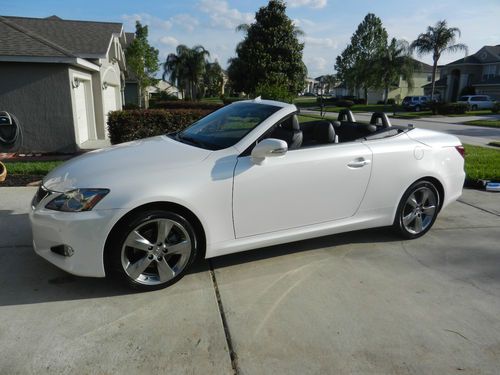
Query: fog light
(64, 250)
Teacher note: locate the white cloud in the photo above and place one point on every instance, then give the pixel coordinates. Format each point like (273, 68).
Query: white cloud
(322, 42)
(145, 19)
(185, 21)
(221, 15)
(316, 64)
(316, 4)
(303, 22)
(169, 41)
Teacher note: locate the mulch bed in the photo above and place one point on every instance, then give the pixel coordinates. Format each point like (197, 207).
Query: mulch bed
(21, 180)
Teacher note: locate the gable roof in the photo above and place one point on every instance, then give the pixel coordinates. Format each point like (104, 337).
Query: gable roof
(422, 67)
(485, 55)
(52, 36)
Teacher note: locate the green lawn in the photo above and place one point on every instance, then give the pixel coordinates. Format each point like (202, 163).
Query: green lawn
(31, 167)
(482, 163)
(305, 102)
(487, 123)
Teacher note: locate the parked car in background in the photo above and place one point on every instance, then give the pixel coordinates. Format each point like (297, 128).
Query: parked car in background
(416, 103)
(476, 102)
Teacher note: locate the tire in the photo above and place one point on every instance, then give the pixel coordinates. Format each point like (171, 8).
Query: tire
(417, 211)
(417, 108)
(474, 107)
(151, 250)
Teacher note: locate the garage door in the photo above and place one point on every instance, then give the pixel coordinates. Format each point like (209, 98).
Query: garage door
(110, 103)
(81, 112)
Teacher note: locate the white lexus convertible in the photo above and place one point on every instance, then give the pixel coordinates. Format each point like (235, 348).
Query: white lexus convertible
(246, 176)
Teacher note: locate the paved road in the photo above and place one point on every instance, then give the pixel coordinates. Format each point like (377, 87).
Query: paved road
(358, 303)
(474, 135)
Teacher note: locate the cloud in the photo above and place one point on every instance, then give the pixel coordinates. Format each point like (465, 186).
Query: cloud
(322, 42)
(300, 22)
(185, 21)
(316, 4)
(145, 19)
(221, 15)
(317, 63)
(169, 41)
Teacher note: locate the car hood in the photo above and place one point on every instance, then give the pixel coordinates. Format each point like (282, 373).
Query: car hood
(115, 165)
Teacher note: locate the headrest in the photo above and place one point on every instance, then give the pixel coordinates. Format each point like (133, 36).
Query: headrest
(336, 124)
(324, 132)
(291, 123)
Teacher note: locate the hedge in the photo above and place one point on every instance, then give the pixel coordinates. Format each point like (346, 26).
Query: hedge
(183, 104)
(496, 107)
(449, 108)
(129, 125)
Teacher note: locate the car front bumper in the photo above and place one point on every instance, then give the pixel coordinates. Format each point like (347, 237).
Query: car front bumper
(84, 232)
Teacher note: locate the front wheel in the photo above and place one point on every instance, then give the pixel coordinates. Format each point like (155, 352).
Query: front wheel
(152, 250)
(417, 108)
(417, 210)
(474, 107)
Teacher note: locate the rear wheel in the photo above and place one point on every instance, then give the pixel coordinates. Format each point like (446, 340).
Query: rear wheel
(417, 108)
(474, 107)
(417, 210)
(152, 250)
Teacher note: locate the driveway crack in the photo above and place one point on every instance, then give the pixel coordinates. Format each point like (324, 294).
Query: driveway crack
(227, 332)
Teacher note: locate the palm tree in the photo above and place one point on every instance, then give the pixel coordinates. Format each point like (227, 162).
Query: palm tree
(438, 39)
(394, 62)
(186, 67)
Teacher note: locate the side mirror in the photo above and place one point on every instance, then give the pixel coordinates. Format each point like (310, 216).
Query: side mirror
(268, 148)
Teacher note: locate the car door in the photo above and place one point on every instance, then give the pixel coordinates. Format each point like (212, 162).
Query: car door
(304, 187)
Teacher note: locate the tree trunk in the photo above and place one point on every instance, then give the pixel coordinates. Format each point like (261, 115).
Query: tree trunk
(434, 70)
(386, 94)
(366, 94)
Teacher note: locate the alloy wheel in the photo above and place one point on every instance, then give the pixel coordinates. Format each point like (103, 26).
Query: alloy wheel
(156, 251)
(419, 210)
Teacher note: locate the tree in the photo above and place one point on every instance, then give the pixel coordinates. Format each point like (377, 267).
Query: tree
(142, 60)
(436, 40)
(270, 53)
(213, 79)
(355, 62)
(328, 82)
(186, 68)
(393, 62)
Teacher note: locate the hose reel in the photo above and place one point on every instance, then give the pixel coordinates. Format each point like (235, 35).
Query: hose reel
(10, 131)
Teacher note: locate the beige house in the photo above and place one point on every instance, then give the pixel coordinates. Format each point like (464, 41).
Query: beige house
(479, 73)
(421, 77)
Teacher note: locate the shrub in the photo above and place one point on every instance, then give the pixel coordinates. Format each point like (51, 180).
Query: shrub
(124, 126)
(274, 91)
(496, 107)
(231, 99)
(183, 104)
(449, 108)
(390, 101)
(345, 103)
(360, 101)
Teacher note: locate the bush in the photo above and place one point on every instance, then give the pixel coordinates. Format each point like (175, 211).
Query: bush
(130, 106)
(496, 107)
(390, 101)
(360, 101)
(274, 91)
(231, 99)
(449, 108)
(345, 103)
(124, 126)
(183, 104)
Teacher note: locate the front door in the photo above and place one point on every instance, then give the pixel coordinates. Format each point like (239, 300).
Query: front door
(303, 187)
(82, 120)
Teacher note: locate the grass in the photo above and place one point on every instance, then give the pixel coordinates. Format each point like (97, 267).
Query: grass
(31, 167)
(214, 100)
(482, 163)
(487, 123)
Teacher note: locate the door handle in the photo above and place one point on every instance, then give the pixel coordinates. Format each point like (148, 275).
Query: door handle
(358, 163)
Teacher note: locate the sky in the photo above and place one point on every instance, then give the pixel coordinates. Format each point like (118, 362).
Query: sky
(327, 24)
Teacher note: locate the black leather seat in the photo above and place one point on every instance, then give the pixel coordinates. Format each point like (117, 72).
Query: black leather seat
(289, 131)
(324, 133)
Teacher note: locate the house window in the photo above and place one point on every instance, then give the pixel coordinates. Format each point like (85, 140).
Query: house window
(489, 71)
(429, 77)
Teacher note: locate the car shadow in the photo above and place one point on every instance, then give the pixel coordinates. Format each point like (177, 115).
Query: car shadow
(26, 278)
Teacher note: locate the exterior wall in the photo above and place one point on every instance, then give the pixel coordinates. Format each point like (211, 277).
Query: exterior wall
(493, 91)
(39, 96)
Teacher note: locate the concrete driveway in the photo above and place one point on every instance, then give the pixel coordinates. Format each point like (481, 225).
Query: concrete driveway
(357, 303)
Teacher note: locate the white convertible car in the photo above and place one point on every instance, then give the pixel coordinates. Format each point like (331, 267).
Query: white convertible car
(246, 176)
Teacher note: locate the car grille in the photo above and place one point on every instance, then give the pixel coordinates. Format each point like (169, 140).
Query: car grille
(41, 194)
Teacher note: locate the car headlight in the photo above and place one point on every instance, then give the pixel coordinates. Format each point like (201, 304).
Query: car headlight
(77, 200)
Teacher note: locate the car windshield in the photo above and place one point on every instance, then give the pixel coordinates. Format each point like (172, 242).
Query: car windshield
(226, 126)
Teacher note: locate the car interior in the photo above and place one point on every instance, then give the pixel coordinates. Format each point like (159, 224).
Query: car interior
(325, 131)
